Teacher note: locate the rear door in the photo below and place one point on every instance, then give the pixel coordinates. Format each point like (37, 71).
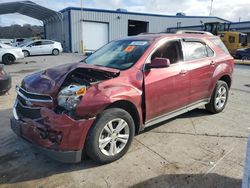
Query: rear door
(47, 46)
(166, 89)
(201, 64)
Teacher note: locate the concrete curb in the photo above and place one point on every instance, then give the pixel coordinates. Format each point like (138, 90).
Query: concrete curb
(241, 62)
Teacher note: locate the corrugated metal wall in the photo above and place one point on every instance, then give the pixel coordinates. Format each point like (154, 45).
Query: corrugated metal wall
(118, 24)
(58, 30)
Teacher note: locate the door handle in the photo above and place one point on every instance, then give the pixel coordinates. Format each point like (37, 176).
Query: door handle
(183, 71)
(212, 62)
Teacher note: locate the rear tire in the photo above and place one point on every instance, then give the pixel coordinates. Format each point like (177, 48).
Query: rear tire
(8, 59)
(219, 98)
(55, 52)
(111, 135)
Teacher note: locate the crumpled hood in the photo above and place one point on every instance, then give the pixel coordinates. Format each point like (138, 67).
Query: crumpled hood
(50, 80)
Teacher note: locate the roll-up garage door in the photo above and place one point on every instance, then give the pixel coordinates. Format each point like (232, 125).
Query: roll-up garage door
(95, 35)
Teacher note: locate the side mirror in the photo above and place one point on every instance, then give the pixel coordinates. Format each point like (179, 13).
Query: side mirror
(158, 63)
(88, 53)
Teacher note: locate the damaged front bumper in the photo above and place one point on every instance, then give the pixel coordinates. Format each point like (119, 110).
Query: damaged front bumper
(57, 135)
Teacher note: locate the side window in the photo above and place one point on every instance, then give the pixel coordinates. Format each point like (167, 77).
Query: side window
(170, 50)
(38, 43)
(47, 42)
(220, 44)
(195, 50)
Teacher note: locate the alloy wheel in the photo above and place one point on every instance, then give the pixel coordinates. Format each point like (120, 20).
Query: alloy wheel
(55, 52)
(9, 59)
(221, 97)
(114, 137)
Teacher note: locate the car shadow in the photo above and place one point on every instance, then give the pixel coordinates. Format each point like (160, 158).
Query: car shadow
(190, 181)
(198, 112)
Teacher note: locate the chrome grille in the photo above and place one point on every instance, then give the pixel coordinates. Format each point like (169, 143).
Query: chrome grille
(33, 97)
(24, 108)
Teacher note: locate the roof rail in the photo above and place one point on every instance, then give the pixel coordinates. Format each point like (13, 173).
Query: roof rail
(146, 33)
(193, 32)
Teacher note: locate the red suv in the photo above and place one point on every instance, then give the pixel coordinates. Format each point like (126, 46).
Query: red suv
(99, 104)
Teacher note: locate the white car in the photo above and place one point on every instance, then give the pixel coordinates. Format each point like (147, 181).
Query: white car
(39, 47)
(9, 54)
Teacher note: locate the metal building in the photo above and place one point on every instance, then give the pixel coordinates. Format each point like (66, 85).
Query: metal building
(88, 29)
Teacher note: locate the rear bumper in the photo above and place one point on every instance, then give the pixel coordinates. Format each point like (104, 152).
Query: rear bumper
(57, 135)
(5, 84)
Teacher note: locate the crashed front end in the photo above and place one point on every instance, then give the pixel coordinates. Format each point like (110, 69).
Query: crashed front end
(58, 135)
(48, 119)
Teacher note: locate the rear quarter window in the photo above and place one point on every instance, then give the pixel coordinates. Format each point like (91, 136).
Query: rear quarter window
(220, 44)
(196, 50)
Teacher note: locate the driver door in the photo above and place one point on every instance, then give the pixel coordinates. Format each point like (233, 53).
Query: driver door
(166, 89)
(35, 48)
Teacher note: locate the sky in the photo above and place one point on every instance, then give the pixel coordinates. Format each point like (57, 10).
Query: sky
(227, 9)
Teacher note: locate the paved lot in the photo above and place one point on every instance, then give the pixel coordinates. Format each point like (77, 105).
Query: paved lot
(196, 149)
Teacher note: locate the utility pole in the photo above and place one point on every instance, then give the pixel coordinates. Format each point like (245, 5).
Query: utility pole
(211, 8)
(81, 24)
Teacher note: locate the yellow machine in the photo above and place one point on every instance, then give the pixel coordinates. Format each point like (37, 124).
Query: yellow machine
(233, 40)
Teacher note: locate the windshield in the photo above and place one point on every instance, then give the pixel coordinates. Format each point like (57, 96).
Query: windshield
(120, 54)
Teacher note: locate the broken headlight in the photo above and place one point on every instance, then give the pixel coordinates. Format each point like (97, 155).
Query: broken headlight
(70, 96)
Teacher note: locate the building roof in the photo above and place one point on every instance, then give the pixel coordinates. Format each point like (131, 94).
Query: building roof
(136, 13)
(30, 9)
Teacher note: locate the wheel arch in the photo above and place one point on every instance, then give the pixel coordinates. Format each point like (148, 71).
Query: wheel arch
(26, 51)
(8, 53)
(131, 109)
(226, 78)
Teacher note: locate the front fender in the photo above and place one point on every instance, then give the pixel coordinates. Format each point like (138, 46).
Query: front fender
(101, 95)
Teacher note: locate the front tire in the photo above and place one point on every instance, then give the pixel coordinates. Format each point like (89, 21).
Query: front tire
(111, 135)
(8, 59)
(219, 98)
